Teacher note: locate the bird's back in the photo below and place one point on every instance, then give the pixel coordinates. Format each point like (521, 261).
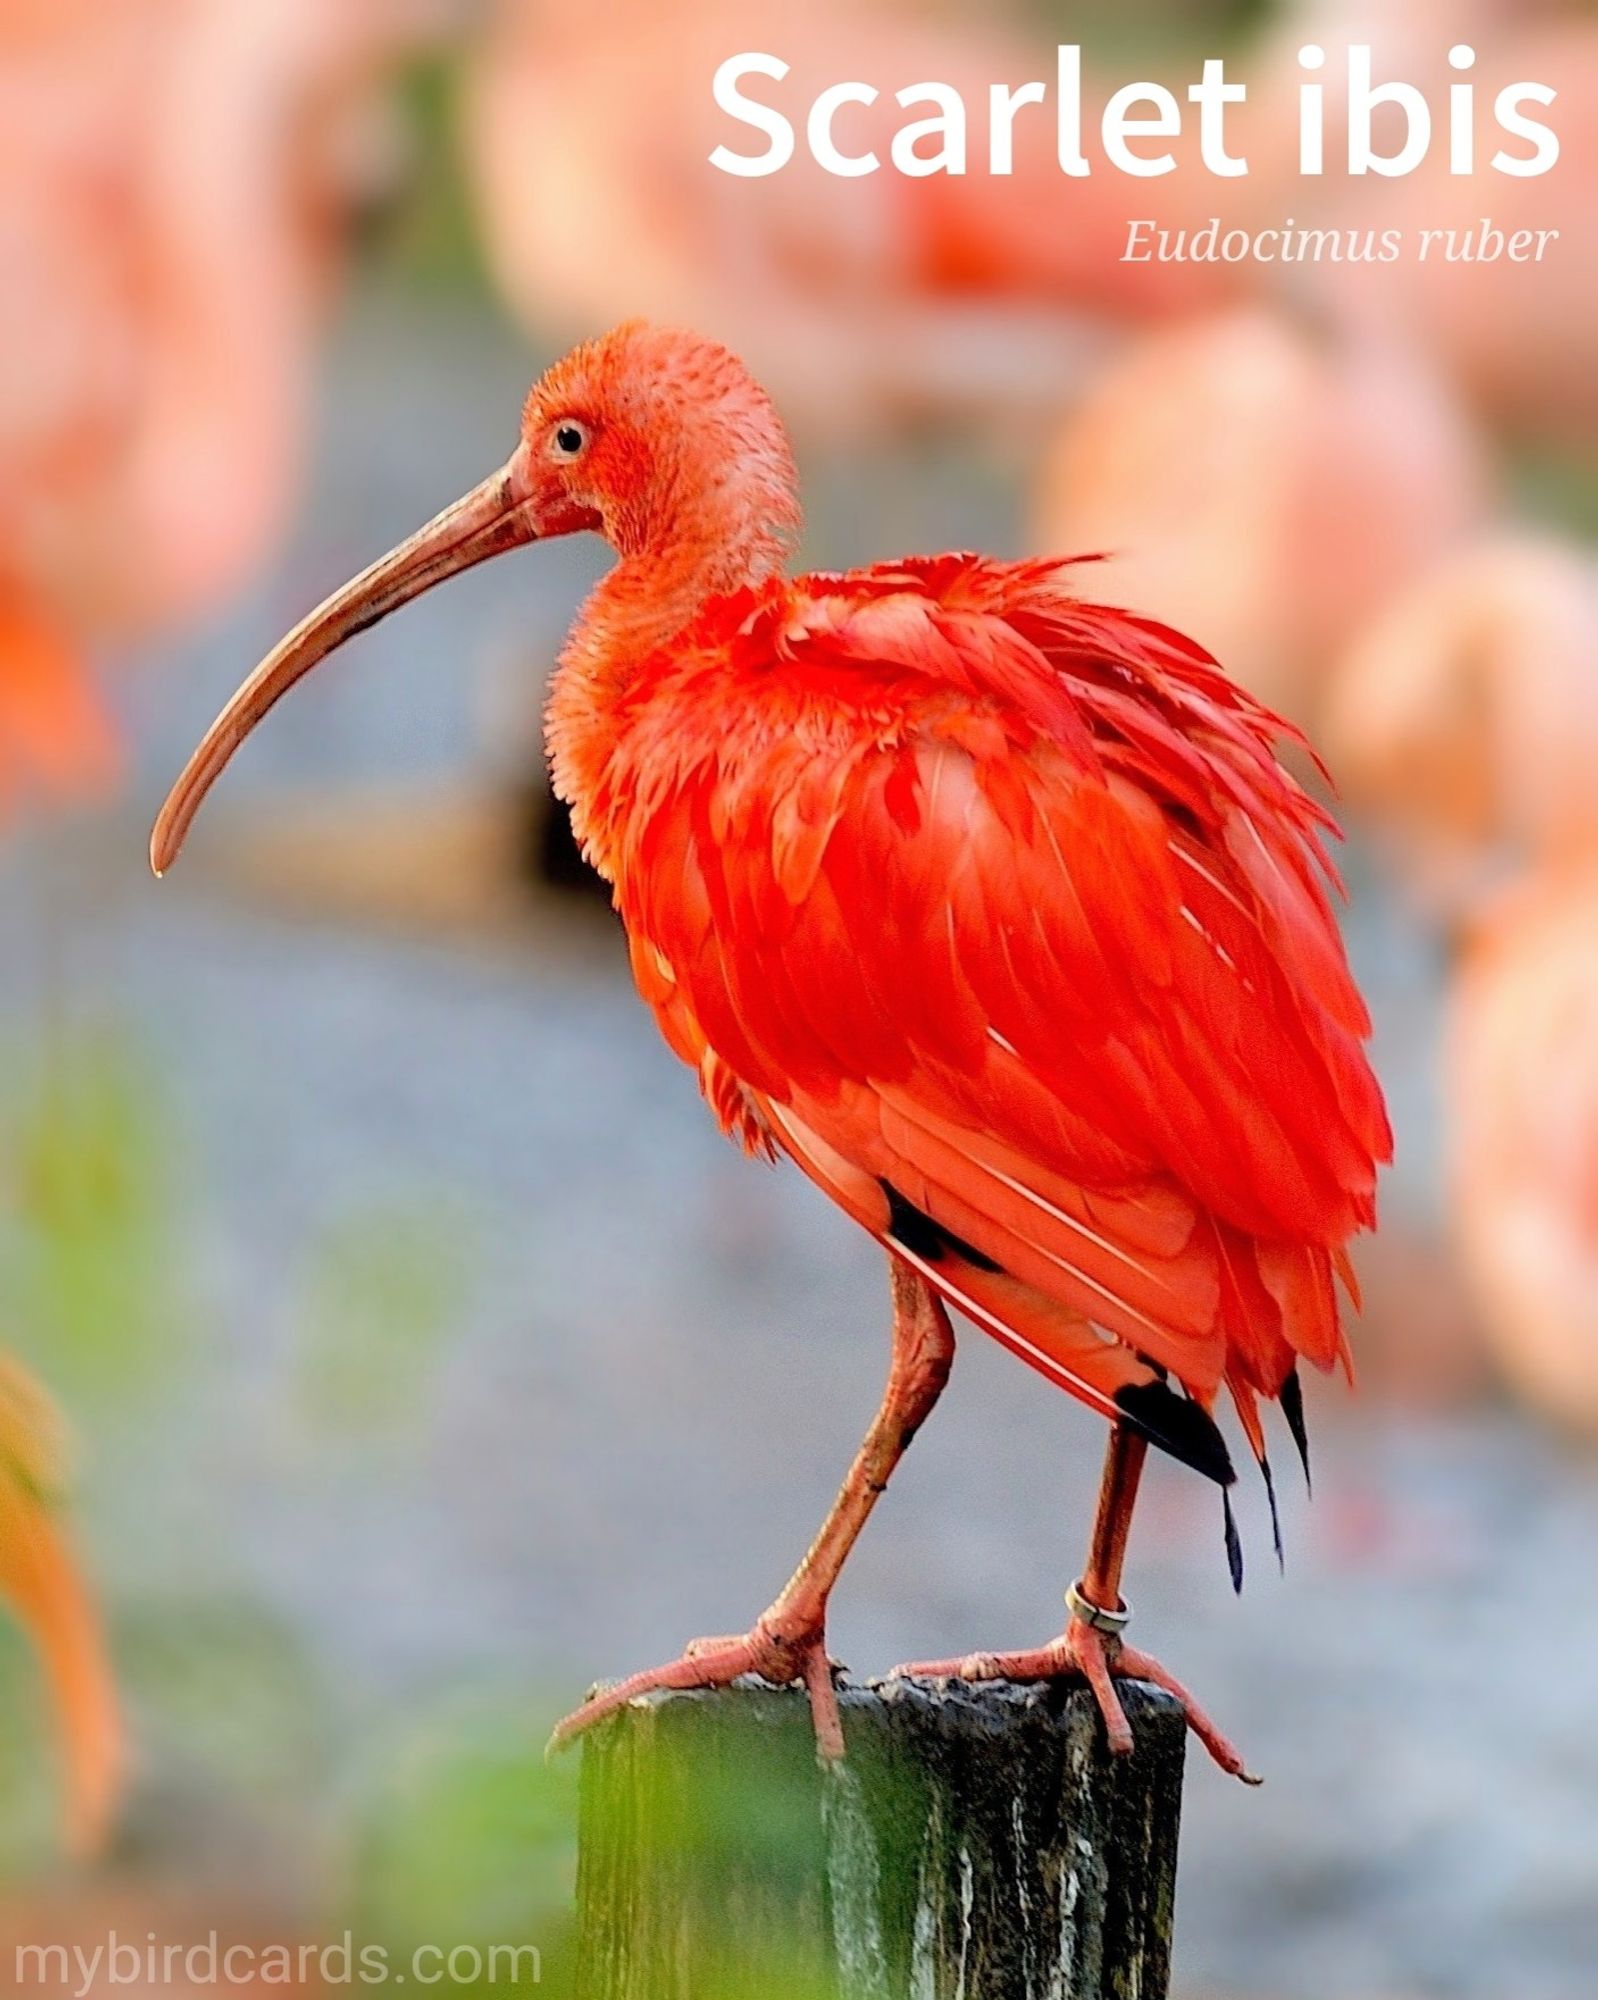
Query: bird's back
(995, 909)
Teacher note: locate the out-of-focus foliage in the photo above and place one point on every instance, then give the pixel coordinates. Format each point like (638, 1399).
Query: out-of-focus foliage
(1559, 487)
(92, 1279)
(1175, 28)
(428, 238)
(231, 1713)
(382, 1292)
(466, 1832)
(30, 1779)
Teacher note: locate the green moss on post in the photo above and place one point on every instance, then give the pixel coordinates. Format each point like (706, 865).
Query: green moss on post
(979, 1843)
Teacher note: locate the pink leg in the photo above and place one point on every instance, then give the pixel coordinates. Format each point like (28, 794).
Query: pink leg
(788, 1642)
(1095, 1650)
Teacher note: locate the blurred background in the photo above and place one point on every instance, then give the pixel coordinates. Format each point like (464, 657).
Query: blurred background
(390, 1345)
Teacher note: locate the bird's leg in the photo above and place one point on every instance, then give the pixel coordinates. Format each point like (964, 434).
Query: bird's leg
(1091, 1644)
(788, 1641)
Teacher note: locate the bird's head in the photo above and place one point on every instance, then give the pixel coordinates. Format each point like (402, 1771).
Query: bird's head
(660, 441)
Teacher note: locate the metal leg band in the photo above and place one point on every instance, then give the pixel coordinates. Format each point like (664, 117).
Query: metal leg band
(1111, 1623)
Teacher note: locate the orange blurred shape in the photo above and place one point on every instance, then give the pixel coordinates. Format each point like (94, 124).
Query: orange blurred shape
(163, 250)
(1465, 717)
(1263, 487)
(859, 300)
(42, 1585)
(57, 743)
(1523, 1103)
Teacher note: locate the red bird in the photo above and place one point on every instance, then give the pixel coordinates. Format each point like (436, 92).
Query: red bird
(991, 908)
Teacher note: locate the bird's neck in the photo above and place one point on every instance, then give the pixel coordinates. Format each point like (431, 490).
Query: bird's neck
(640, 606)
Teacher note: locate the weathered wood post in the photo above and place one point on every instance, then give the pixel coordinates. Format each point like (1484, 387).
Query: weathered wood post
(979, 1843)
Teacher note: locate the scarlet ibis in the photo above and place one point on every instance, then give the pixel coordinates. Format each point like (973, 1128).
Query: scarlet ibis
(989, 907)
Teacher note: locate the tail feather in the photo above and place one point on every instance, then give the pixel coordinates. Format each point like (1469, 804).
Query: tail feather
(1291, 1398)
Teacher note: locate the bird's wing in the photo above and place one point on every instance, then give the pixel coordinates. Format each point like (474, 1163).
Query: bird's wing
(1005, 902)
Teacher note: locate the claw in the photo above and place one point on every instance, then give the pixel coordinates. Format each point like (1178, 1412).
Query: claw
(1141, 1667)
(1084, 1652)
(713, 1663)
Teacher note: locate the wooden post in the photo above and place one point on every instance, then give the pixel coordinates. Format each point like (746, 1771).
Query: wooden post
(978, 1843)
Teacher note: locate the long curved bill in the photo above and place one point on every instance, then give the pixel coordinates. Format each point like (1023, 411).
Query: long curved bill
(490, 519)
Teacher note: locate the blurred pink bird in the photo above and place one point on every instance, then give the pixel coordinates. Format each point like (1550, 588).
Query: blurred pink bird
(1523, 1098)
(1514, 338)
(1519, 336)
(163, 248)
(1464, 719)
(163, 251)
(1263, 487)
(861, 300)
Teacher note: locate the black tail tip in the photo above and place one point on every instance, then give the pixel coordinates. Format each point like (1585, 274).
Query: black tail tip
(1276, 1518)
(1178, 1425)
(1234, 1543)
(1291, 1398)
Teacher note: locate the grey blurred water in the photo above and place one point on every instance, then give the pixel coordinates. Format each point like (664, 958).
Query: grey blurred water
(665, 1354)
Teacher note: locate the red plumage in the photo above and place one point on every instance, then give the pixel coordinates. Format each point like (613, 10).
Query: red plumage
(990, 907)
(1001, 899)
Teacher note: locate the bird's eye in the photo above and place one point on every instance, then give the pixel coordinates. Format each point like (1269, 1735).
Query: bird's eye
(569, 440)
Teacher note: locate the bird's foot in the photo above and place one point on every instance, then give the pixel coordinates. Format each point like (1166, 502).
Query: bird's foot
(777, 1651)
(1100, 1658)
